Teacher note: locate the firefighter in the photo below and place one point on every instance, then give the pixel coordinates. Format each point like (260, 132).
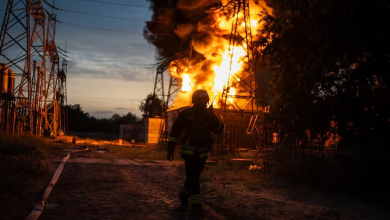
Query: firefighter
(198, 123)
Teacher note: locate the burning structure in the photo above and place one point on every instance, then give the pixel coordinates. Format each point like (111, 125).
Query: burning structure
(330, 91)
(209, 45)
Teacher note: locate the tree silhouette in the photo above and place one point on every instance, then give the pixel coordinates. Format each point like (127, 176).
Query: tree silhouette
(152, 106)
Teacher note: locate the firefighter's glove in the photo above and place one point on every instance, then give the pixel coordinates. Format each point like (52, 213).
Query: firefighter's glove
(210, 112)
(213, 122)
(170, 150)
(170, 155)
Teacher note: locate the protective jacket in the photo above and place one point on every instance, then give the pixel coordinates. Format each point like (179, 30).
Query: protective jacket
(198, 124)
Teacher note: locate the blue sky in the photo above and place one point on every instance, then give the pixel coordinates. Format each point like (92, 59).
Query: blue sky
(110, 70)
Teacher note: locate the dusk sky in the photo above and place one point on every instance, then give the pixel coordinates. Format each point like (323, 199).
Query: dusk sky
(110, 71)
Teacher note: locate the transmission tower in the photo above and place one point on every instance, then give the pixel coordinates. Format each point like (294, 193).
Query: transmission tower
(173, 89)
(15, 55)
(241, 35)
(37, 48)
(28, 47)
(240, 107)
(63, 97)
(158, 90)
(52, 108)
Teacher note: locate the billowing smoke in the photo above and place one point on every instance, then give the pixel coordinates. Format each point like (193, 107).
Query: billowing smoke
(173, 23)
(195, 36)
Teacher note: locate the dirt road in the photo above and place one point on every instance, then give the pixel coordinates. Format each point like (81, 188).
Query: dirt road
(95, 185)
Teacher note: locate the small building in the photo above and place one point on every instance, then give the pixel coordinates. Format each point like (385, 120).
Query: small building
(152, 130)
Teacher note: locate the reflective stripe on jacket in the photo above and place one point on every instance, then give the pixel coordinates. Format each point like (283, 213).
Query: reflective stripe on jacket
(197, 137)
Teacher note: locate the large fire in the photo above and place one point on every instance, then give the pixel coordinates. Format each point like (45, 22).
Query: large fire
(224, 65)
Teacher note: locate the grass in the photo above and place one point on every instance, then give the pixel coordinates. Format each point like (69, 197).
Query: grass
(233, 172)
(222, 169)
(25, 154)
(141, 152)
(23, 144)
(24, 172)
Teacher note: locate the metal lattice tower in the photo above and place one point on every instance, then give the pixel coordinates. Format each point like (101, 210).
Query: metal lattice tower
(173, 87)
(52, 108)
(158, 90)
(241, 35)
(15, 55)
(37, 90)
(63, 97)
(28, 47)
(240, 108)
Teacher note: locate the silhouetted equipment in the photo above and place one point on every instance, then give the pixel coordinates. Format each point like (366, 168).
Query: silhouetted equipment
(34, 97)
(173, 88)
(239, 110)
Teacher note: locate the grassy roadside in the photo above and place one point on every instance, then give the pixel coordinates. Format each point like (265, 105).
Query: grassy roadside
(221, 169)
(24, 173)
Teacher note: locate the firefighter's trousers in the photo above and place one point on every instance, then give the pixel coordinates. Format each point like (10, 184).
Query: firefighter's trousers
(194, 167)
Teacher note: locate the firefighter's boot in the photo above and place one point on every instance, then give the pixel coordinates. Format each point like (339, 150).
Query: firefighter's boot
(196, 201)
(197, 209)
(183, 195)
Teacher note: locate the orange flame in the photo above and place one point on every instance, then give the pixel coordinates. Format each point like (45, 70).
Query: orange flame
(223, 64)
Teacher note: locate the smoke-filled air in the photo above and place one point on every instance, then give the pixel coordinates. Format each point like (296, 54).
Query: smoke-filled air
(202, 51)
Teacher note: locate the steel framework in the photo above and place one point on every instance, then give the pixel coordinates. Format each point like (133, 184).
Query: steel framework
(241, 35)
(173, 88)
(158, 90)
(28, 46)
(51, 107)
(15, 54)
(244, 111)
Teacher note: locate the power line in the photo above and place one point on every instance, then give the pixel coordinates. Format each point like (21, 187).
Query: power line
(50, 5)
(97, 28)
(113, 3)
(113, 30)
(108, 57)
(112, 17)
(142, 6)
(117, 61)
(140, 65)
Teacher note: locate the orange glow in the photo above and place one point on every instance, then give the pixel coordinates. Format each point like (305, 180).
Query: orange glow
(223, 65)
(186, 84)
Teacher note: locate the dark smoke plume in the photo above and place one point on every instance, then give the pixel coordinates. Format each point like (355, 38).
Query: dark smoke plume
(188, 33)
(173, 25)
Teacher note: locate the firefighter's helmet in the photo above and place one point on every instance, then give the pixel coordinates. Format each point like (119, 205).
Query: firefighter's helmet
(200, 97)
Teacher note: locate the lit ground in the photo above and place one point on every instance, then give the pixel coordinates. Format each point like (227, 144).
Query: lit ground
(109, 182)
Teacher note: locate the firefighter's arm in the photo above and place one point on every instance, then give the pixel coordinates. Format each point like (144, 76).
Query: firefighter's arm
(216, 125)
(177, 127)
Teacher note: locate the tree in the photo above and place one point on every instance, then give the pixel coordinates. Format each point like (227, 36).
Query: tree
(330, 62)
(152, 106)
(81, 121)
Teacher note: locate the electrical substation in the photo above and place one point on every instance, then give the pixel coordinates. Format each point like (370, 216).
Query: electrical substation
(33, 93)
